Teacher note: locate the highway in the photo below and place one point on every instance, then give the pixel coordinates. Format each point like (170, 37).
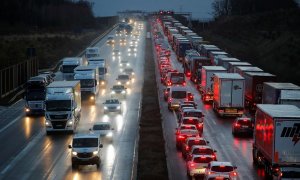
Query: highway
(28, 153)
(216, 130)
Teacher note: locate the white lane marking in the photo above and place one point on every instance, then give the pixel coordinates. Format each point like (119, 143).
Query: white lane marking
(23, 152)
(11, 123)
(213, 120)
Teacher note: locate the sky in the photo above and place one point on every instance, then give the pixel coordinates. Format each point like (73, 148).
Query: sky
(199, 8)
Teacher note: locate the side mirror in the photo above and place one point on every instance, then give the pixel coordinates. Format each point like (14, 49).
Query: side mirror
(70, 146)
(207, 142)
(112, 128)
(100, 145)
(234, 167)
(90, 129)
(215, 151)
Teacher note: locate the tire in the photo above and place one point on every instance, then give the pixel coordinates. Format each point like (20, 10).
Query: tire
(98, 165)
(74, 166)
(48, 133)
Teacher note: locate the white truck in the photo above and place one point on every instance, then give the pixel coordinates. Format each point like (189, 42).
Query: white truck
(68, 66)
(89, 81)
(276, 144)
(229, 94)
(92, 52)
(206, 88)
(63, 106)
(291, 97)
(102, 68)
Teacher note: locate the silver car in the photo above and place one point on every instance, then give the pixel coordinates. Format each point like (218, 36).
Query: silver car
(112, 105)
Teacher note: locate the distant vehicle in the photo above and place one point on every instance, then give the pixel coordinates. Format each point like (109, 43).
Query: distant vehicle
(86, 150)
(276, 140)
(242, 125)
(198, 122)
(123, 79)
(124, 63)
(222, 169)
(92, 52)
(132, 50)
(181, 135)
(187, 145)
(229, 94)
(122, 41)
(191, 113)
(166, 93)
(103, 129)
(101, 64)
(112, 105)
(177, 95)
(63, 106)
(68, 66)
(129, 71)
(118, 90)
(116, 53)
(110, 40)
(175, 79)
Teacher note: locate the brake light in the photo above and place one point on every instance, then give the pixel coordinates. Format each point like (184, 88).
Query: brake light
(170, 99)
(199, 125)
(187, 148)
(188, 74)
(234, 174)
(183, 83)
(237, 125)
(180, 137)
(192, 165)
(214, 157)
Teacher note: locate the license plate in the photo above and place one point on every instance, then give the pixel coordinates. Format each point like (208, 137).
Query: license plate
(244, 126)
(231, 110)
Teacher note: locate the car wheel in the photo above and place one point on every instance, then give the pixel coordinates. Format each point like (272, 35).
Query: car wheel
(74, 166)
(48, 133)
(98, 165)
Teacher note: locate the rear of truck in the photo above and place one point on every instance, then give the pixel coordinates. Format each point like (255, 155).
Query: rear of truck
(276, 144)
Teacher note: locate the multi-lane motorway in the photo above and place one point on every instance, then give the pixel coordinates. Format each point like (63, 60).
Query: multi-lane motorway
(28, 153)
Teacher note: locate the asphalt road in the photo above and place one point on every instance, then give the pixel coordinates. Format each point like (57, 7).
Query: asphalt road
(216, 130)
(28, 153)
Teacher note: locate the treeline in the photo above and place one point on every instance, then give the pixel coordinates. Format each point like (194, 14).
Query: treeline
(245, 7)
(63, 14)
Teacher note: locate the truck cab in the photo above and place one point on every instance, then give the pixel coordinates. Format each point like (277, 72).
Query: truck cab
(68, 66)
(92, 52)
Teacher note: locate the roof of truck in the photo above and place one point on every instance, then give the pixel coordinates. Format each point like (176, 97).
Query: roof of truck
(229, 76)
(249, 68)
(229, 59)
(89, 67)
(277, 85)
(240, 63)
(259, 74)
(218, 68)
(63, 84)
(290, 94)
(280, 110)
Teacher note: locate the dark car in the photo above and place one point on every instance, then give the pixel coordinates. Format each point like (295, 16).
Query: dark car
(242, 125)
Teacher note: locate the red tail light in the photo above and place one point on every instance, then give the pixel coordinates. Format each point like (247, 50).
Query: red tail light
(237, 125)
(192, 165)
(183, 83)
(187, 148)
(188, 74)
(234, 174)
(170, 99)
(181, 137)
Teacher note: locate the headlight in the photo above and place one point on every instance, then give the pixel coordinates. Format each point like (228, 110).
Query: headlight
(123, 92)
(118, 107)
(127, 82)
(127, 64)
(27, 109)
(119, 83)
(113, 92)
(95, 152)
(128, 50)
(121, 65)
(92, 98)
(119, 53)
(113, 53)
(110, 134)
(134, 49)
(102, 83)
(48, 123)
(132, 73)
(74, 153)
(105, 107)
(70, 122)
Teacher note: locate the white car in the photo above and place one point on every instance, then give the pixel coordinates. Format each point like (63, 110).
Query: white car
(217, 177)
(128, 71)
(124, 63)
(116, 52)
(221, 168)
(123, 79)
(118, 90)
(112, 105)
(197, 164)
(103, 129)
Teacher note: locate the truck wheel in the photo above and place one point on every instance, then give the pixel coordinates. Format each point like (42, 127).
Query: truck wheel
(48, 133)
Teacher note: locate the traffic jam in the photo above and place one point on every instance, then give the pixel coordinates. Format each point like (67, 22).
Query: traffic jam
(261, 107)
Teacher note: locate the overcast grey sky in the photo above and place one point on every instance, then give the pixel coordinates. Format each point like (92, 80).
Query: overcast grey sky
(199, 8)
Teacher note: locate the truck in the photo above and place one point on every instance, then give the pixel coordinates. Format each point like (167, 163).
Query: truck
(223, 61)
(206, 88)
(204, 49)
(243, 69)
(62, 106)
(254, 87)
(272, 91)
(68, 66)
(92, 52)
(35, 94)
(231, 65)
(229, 94)
(89, 81)
(214, 55)
(102, 68)
(180, 49)
(276, 145)
(291, 97)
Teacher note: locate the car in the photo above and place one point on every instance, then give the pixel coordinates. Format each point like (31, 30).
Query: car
(221, 168)
(123, 79)
(116, 53)
(190, 102)
(183, 106)
(201, 150)
(134, 42)
(122, 41)
(129, 71)
(182, 134)
(198, 122)
(166, 93)
(176, 96)
(110, 40)
(191, 141)
(217, 177)
(242, 125)
(132, 50)
(124, 63)
(191, 113)
(197, 164)
(112, 105)
(103, 129)
(85, 150)
(118, 90)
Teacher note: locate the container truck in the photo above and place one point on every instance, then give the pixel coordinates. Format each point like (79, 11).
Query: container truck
(89, 81)
(102, 68)
(223, 61)
(180, 49)
(35, 94)
(92, 52)
(68, 66)
(272, 91)
(229, 94)
(231, 65)
(243, 69)
(254, 86)
(276, 145)
(204, 49)
(291, 97)
(214, 55)
(206, 88)
(63, 106)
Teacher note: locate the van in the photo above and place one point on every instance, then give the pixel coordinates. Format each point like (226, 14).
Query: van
(178, 94)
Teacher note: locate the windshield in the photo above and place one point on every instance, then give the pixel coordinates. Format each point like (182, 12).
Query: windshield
(125, 77)
(87, 83)
(202, 159)
(85, 142)
(35, 85)
(112, 101)
(193, 114)
(118, 87)
(196, 142)
(190, 121)
(179, 94)
(92, 55)
(222, 168)
(58, 105)
(101, 127)
(35, 95)
(68, 68)
(101, 71)
(203, 151)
